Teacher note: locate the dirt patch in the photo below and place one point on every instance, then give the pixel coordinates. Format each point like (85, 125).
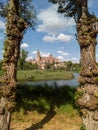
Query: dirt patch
(35, 121)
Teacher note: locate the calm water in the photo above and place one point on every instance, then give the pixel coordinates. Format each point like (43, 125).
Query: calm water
(72, 82)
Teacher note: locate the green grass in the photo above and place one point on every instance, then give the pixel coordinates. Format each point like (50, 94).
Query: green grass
(44, 98)
(36, 75)
(40, 104)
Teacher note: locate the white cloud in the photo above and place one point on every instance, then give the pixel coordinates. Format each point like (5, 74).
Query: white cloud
(75, 60)
(63, 53)
(52, 22)
(61, 58)
(67, 59)
(64, 38)
(3, 51)
(60, 38)
(60, 52)
(24, 45)
(34, 52)
(49, 38)
(96, 55)
(2, 25)
(44, 54)
(29, 58)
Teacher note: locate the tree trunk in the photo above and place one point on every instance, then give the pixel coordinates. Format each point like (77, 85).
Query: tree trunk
(88, 91)
(7, 96)
(14, 30)
(4, 115)
(88, 103)
(8, 89)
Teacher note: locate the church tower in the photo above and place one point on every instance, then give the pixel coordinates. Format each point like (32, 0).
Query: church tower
(38, 57)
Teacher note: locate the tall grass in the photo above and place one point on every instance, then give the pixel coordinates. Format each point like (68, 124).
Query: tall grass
(35, 75)
(43, 98)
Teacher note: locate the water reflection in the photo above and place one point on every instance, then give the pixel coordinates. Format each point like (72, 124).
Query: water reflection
(72, 82)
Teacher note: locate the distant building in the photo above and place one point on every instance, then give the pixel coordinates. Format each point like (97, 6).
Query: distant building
(43, 62)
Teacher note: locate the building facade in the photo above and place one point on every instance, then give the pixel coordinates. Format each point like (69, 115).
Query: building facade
(45, 62)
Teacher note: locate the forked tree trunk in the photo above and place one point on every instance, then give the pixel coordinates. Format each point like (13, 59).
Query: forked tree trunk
(88, 92)
(14, 29)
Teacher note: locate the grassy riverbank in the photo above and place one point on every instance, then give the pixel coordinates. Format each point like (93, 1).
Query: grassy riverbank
(45, 108)
(36, 75)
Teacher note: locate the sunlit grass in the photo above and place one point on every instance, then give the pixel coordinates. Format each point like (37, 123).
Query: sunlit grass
(37, 103)
(36, 75)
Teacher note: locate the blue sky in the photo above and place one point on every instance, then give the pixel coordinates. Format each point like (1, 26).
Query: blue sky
(54, 34)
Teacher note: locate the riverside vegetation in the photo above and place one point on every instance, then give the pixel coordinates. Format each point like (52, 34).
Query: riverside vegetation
(45, 107)
(36, 75)
(42, 106)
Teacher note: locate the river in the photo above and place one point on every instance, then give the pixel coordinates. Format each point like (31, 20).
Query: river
(72, 82)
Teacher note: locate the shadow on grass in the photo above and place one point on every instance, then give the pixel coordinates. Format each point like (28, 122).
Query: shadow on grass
(43, 99)
(50, 114)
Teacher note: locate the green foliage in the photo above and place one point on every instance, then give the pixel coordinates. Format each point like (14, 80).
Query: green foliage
(29, 66)
(67, 109)
(68, 65)
(19, 15)
(78, 95)
(76, 67)
(38, 75)
(44, 97)
(23, 64)
(22, 59)
(25, 9)
(27, 12)
(68, 7)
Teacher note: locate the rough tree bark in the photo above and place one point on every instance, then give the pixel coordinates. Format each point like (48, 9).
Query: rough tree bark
(14, 30)
(87, 29)
(88, 92)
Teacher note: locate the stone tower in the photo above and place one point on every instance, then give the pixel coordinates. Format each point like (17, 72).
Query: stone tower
(38, 57)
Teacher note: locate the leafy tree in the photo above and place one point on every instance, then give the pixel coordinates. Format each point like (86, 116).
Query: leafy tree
(19, 15)
(22, 59)
(30, 66)
(68, 65)
(76, 67)
(23, 64)
(87, 29)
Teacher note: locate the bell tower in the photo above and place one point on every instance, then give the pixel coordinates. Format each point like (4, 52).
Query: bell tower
(38, 57)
